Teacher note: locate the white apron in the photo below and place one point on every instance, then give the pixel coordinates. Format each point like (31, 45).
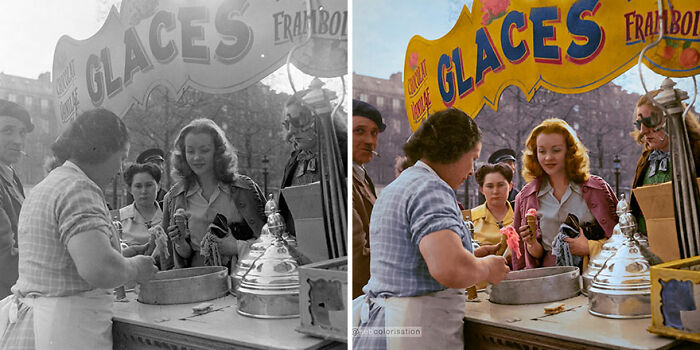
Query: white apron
(77, 322)
(440, 316)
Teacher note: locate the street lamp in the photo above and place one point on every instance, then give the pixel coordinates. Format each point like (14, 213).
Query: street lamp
(265, 161)
(616, 166)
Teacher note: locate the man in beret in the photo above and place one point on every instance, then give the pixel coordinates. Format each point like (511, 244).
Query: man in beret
(507, 156)
(367, 123)
(15, 123)
(154, 156)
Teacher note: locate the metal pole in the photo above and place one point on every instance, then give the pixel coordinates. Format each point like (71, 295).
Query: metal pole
(265, 177)
(685, 189)
(265, 161)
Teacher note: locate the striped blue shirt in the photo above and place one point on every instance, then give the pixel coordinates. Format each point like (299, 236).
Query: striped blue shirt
(417, 203)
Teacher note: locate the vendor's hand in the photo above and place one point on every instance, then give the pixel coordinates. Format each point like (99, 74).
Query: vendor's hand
(144, 268)
(497, 268)
(227, 246)
(485, 250)
(579, 245)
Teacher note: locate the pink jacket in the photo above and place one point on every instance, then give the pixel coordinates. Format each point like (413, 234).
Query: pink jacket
(599, 197)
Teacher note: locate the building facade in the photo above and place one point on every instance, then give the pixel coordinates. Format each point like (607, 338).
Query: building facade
(387, 96)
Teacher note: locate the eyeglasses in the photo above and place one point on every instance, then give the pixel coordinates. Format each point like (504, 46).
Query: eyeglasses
(653, 120)
(299, 122)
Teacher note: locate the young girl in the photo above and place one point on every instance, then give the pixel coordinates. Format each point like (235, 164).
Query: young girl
(206, 165)
(556, 166)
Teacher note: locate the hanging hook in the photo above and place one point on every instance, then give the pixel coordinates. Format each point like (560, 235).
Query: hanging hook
(298, 45)
(641, 54)
(689, 106)
(342, 99)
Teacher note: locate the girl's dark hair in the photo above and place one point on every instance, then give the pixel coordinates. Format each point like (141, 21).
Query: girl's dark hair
(91, 138)
(225, 158)
(443, 137)
(137, 168)
(501, 168)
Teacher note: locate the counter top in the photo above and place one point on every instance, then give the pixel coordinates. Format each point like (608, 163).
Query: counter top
(575, 324)
(223, 325)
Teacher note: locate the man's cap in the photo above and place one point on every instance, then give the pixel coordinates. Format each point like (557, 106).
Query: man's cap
(364, 109)
(151, 155)
(502, 155)
(11, 109)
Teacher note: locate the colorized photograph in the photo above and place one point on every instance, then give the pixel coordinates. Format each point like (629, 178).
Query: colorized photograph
(524, 174)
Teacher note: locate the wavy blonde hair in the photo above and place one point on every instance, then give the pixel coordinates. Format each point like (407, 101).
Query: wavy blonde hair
(577, 162)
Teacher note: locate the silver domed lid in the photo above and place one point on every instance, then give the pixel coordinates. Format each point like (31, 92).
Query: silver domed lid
(626, 270)
(275, 269)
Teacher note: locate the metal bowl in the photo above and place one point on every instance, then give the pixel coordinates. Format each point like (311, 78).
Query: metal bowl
(184, 286)
(534, 286)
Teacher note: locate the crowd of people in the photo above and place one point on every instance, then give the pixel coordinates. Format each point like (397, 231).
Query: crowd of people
(413, 256)
(62, 253)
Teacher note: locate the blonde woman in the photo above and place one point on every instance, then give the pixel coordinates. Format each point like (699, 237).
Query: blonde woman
(556, 167)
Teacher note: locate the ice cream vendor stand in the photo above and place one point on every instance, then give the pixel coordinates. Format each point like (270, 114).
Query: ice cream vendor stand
(216, 47)
(567, 47)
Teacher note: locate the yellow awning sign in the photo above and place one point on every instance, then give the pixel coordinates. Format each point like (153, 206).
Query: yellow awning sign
(566, 46)
(215, 46)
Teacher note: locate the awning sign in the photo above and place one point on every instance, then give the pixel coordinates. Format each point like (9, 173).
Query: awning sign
(566, 46)
(215, 46)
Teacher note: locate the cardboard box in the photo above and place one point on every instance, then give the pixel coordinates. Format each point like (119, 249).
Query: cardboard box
(656, 202)
(675, 299)
(323, 293)
(305, 204)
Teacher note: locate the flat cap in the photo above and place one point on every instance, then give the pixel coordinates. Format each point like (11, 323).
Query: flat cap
(13, 110)
(502, 155)
(364, 109)
(151, 155)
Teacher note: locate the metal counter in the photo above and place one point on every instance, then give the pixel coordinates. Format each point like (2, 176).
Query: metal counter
(493, 326)
(142, 326)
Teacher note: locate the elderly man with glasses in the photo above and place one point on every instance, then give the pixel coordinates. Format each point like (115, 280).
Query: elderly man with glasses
(654, 165)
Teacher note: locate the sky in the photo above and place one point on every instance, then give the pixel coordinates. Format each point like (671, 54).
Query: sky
(381, 32)
(30, 29)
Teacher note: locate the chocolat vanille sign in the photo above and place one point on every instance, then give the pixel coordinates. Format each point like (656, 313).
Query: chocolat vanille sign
(566, 46)
(215, 46)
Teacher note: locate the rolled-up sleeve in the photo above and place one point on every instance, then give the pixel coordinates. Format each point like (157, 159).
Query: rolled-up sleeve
(79, 210)
(431, 209)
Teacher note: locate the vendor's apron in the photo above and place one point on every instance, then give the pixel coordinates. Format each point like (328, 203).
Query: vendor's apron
(77, 322)
(440, 316)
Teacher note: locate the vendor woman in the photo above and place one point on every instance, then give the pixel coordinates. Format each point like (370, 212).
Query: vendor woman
(556, 166)
(421, 251)
(69, 258)
(654, 165)
(206, 165)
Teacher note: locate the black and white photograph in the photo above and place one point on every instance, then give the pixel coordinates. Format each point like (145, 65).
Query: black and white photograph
(174, 174)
